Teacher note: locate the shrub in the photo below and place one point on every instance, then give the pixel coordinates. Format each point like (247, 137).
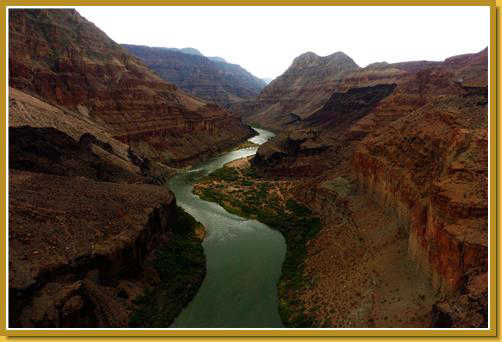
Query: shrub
(247, 183)
(227, 174)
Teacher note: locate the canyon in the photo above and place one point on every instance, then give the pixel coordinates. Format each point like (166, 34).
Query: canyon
(376, 177)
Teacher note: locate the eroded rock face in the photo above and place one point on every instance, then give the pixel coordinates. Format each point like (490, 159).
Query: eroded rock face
(413, 138)
(301, 90)
(311, 81)
(61, 58)
(84, 231)
(434, 167)
(50, 151)
(345, 108)
(81, 237)
(117, 160)
(298, 150)
(212, 80)
(84, 117)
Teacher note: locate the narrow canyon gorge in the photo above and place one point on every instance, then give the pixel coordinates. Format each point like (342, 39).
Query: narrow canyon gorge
(156, 187)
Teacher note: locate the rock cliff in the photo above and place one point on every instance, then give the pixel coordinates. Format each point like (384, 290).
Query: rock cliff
(66, 61)
(84, 234)
(212, 79)
(432, 167)
(410, 140)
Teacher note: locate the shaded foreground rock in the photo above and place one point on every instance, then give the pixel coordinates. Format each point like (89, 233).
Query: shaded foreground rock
(80, 251)
(83, 230)
(84, 240)
(48, 150)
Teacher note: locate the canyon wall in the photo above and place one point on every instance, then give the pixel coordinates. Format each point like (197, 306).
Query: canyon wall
(414, 140)
(431, 166)
(61, 58)
(78, 248)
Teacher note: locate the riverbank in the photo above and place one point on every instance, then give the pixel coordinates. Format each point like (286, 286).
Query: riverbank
(158, 173)
(178, 267)
(240, 287)
(334, 276)
(238, 189)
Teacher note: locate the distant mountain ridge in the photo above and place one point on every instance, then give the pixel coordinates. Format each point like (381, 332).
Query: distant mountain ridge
(210, 78)
(195, 52)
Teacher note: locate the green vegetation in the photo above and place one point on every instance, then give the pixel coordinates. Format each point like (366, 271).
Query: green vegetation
(227, 174)
(247, 183)
(245, 144)
(295, 221)
(181, 267)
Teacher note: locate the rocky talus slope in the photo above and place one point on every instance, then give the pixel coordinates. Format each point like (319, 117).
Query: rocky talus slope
(210, 79)
(58, 56)
(397, 168)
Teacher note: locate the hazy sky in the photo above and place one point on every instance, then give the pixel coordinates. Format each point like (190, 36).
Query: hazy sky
(265, 40)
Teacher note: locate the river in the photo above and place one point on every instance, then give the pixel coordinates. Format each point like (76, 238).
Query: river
(244, 257)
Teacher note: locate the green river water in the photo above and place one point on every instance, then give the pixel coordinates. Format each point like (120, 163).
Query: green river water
(244, 257)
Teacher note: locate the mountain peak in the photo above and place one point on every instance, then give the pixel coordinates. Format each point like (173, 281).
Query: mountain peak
(312, 59)
(338, 55)
(306, 57)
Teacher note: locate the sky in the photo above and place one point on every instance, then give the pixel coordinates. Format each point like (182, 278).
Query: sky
(265, 40)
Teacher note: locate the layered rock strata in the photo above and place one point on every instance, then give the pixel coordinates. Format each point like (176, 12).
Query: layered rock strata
(300, 91)
(59, 57)
(311, 80)
(213, 80)
(85, 123)
(413, 141)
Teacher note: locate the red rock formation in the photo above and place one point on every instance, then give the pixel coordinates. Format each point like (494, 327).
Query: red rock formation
(421, 152)
(311, 80)
(61, 58)
(432, 165)
(85, 117)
